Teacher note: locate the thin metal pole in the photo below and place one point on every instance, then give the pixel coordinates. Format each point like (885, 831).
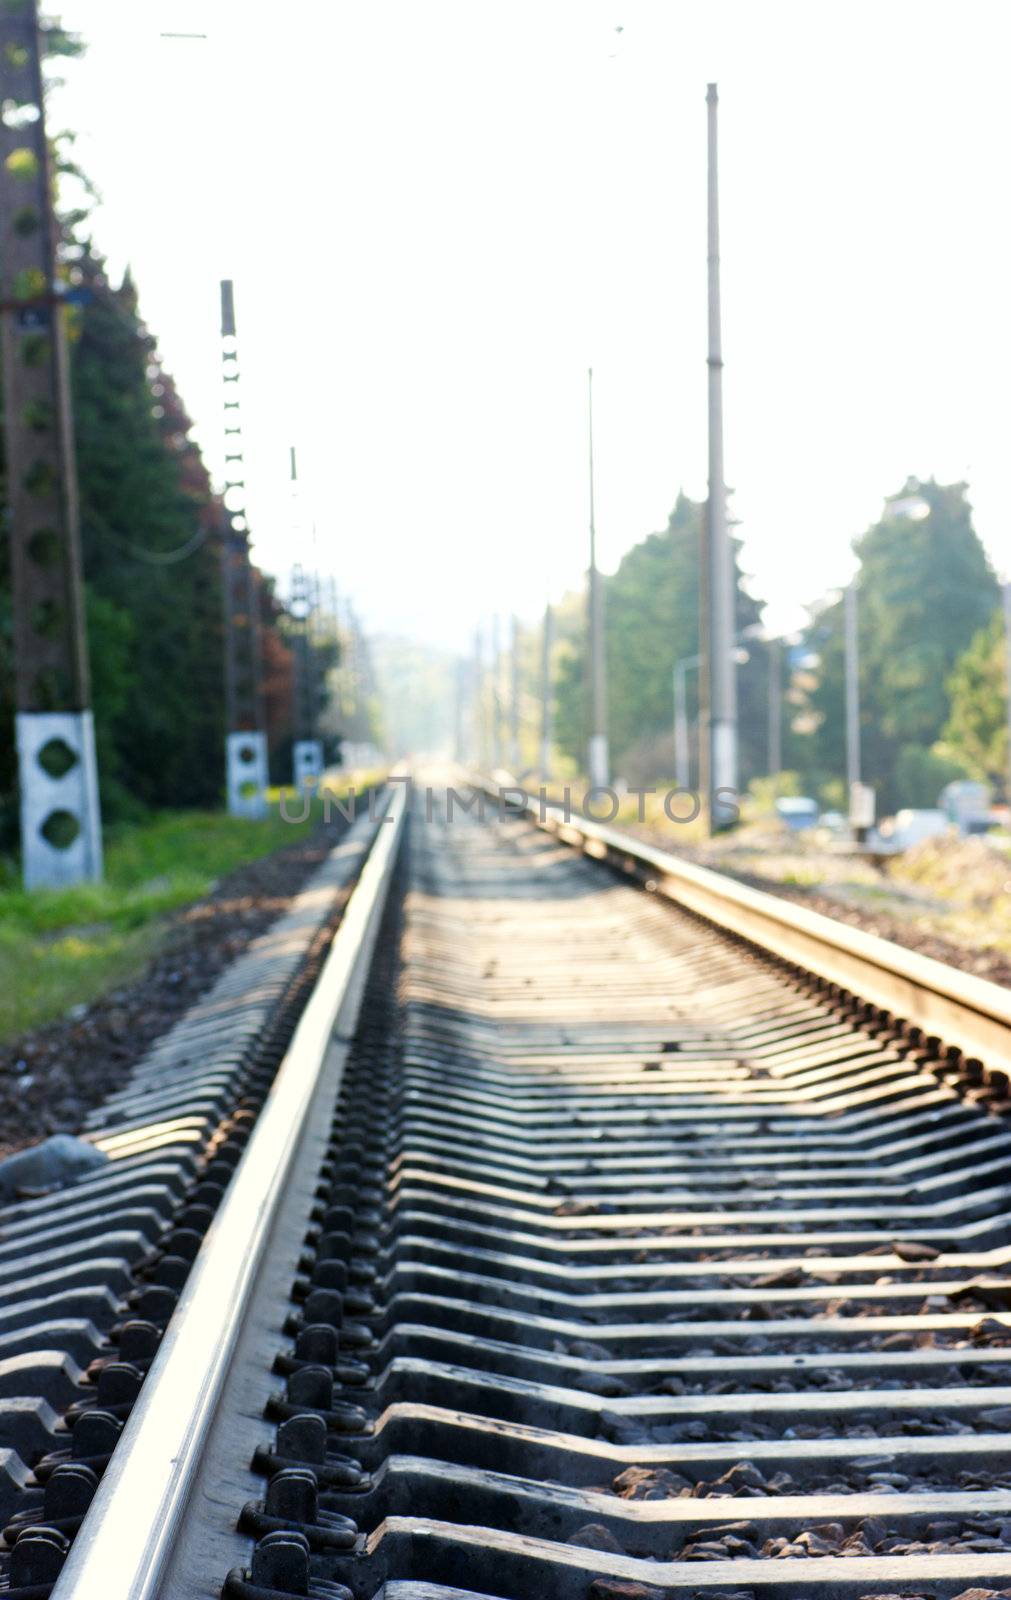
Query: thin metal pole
(303, 687)
(304, 595)
(246, 756)
(547, 696)
(242, 635)
(514, 697)
(496, 703)
(852, 685)
(722, 687)
(682, 776)
(599, 760)
(705, 674)
(479, 728)
(682, 752)
(354, 654)
(1007, 668)
(460, 689)
(775, 707)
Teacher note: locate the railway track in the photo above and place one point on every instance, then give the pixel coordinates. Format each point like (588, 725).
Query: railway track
(587, 1247)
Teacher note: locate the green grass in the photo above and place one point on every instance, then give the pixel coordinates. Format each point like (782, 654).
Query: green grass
(62, 948)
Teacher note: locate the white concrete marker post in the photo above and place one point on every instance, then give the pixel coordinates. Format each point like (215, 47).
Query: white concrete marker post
(246, 767)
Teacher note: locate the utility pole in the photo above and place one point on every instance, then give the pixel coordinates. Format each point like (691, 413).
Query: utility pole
(852, 648)
(333, 630)
(1007, 670)
(496, 699)
(599, 759)
(860, 796)
(349, 664)
(302, 696)
(306, 748)
(459, 708)
(719, 678)
(245, 738)
(682, 754)
(775, 707)
(479, 737)
(332, 633)
(514, 698)
(61, 832)
(547, 693)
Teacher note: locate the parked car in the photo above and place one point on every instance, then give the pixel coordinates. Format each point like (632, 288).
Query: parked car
(797, 811)
(967, 805)
(833, 821)
(911, 826)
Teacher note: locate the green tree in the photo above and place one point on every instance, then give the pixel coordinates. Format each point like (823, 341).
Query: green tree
(925, 589)
(149, 552)
(651, 621)
(976, 732)
(150, 532)
(8, 758)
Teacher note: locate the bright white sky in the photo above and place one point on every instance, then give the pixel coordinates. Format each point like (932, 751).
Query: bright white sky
(439, 213)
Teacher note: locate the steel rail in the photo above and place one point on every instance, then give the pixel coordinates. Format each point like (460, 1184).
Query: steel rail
(956, 1008)
(127, 1537)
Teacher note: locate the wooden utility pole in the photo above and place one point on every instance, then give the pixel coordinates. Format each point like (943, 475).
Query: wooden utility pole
(245, 738)
(61, 835)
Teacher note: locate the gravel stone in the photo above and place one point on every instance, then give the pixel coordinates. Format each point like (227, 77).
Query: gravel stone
(594, 1536)
(88, 1054)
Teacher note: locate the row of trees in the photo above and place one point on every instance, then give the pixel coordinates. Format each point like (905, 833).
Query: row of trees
(651, 622)
(150, 531)
(932, 681)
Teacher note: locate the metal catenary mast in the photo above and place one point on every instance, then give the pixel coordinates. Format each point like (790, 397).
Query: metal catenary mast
(514, 696)
(718, 677)
(307, 747)
(547, 693)
(598, 758)
(245, 738)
